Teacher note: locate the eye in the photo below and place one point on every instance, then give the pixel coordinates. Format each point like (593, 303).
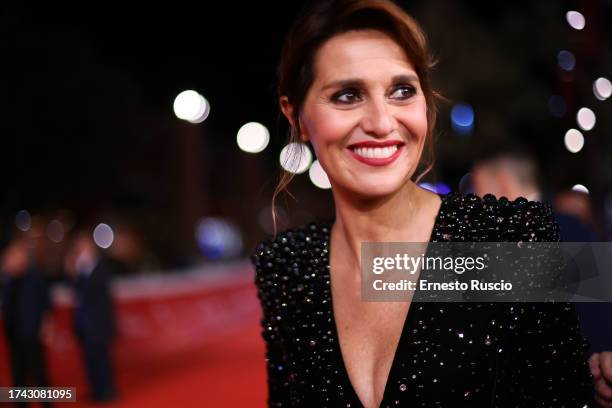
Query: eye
(346, 96)
(403, 92)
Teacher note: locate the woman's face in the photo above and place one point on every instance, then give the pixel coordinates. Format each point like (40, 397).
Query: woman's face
(365, 91)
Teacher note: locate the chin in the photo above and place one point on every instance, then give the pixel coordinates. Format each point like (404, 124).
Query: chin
(376, 189)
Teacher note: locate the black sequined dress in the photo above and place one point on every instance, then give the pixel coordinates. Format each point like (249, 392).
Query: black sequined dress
(449, 354)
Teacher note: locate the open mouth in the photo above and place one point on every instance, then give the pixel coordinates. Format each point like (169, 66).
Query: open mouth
(376, 154)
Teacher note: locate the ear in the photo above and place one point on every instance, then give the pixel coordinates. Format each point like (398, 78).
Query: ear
(287, 109)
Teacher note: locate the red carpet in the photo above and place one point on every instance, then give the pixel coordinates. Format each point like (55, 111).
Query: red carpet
(184, 342)
(228, 373)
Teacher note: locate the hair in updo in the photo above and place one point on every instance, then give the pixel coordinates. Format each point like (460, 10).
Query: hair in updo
(322, 20)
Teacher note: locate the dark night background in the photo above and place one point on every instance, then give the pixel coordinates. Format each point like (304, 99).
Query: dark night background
(88, 135)
(88, 129)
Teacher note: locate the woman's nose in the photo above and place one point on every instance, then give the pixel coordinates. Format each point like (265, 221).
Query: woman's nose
(378, 119)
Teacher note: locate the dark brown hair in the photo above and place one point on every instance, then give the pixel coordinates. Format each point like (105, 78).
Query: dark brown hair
(322, 20)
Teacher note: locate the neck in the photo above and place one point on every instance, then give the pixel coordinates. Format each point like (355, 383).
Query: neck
(401, 217)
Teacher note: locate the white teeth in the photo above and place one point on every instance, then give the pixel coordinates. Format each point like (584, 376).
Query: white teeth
(376, 152)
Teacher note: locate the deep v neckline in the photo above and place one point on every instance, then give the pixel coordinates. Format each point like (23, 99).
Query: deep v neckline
(409, 315)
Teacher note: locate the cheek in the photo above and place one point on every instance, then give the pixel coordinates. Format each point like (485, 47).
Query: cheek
(415, 120)
(324, 125)
(415, 123)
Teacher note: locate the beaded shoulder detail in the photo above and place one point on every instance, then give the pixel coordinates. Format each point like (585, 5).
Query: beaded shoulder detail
(462, 218)
(489, 219)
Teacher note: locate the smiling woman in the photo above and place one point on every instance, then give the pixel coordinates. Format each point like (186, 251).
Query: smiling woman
(354, 83)
(331, 61)
(365, 113)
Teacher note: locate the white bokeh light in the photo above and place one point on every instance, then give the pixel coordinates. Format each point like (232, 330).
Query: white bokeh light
(295, 158)
(23, 220)
(253, 137)
(318, 176)
(191, 106)
(585, 118)
(580, 188)
(103, 235)
(187, 105)
(575, 19)
(602, 88)
(203, 112)
(574, 141)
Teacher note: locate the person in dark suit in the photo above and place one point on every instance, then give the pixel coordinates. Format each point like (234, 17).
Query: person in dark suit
(94, 314)
(26, 309)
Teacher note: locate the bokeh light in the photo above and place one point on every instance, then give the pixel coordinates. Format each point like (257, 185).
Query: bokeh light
(580, 188)
(23, 220)
(442, 188)
(439, 188)
(218, 238)
(318, 176)
(574, 140)
(191, 106)
(253, 137)
(585, 119)
(462, 118)
(566, 60)
(602, 88)
(203, 112)
(427, 186)
(465, 184)
(103, 235)
(295, 158)
(575, 19)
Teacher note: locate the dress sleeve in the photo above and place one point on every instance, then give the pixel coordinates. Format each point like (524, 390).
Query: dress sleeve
(543, 362)
(276, 364)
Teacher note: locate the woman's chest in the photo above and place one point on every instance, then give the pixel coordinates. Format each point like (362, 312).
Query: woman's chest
(446, 351)
(368, 334)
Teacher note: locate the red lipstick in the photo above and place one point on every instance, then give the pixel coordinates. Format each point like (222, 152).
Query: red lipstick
(371, 143)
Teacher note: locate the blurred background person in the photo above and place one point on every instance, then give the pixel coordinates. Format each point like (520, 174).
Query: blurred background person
(94, 315)
(512, 172)
(574, 203)
(26, 310)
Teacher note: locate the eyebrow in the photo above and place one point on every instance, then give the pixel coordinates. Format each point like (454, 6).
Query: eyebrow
(356, 82)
